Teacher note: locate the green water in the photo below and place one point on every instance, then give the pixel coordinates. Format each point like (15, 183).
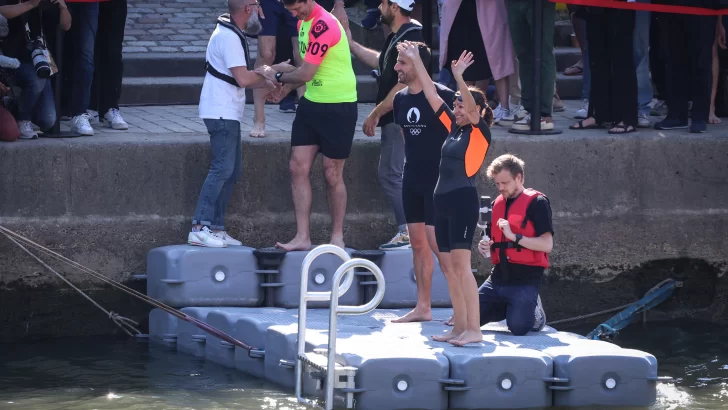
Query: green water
(106, 373)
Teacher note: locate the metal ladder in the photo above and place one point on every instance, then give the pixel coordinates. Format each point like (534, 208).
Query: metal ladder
(327, 364)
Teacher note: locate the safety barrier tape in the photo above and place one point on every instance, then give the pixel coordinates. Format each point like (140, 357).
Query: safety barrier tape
(661, 8)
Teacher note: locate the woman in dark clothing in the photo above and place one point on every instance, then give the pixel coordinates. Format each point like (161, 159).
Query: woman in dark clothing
(613, 79)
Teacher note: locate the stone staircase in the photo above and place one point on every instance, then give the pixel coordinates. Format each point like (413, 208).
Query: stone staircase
(162, 68)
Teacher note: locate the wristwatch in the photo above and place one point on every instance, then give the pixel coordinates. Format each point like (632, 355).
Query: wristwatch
(518, 238)
(278, 77)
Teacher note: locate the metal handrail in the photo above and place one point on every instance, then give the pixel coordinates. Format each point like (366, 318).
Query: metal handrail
(306, 296)
(345, 272)
(348, 310)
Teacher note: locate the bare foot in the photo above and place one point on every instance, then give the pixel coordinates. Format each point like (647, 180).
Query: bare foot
(712, 119)
(416, 315)
(258, 130)
(338, 241)
(469, 336)
(451, 321)
(447, 337)
(297, 244)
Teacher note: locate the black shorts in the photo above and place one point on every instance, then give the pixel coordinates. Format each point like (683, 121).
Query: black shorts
(418, 203)
(330, 126)
(456, 217)
(278, 20)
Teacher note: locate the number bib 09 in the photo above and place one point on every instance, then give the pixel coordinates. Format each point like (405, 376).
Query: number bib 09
(322, 41)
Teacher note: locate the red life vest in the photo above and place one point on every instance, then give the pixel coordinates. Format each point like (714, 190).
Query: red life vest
(519, 224)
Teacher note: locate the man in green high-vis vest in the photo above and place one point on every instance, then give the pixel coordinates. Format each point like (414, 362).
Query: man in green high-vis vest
(326, 116)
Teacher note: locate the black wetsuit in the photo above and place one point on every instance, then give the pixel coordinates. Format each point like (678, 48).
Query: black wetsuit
(456, 198)
(424, 135)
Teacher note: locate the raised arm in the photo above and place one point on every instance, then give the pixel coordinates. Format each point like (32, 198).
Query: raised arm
(411, 52)
(366, 55)
(458, 68)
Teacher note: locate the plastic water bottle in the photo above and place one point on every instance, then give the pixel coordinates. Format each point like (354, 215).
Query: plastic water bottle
(485, 221)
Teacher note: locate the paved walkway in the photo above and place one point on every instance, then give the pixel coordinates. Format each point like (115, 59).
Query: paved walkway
(182, 120)
(170, 25)
(174, 26)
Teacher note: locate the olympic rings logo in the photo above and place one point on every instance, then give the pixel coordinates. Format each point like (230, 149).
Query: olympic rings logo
(415, 131)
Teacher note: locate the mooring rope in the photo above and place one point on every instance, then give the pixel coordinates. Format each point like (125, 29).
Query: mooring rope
(604, 312)
(125, 324)
(590, 315)
(121, 321)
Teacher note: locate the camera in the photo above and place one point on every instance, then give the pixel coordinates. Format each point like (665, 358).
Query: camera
(41, 62)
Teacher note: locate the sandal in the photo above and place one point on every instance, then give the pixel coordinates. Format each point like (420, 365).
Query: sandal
(623, 129)
(580, 126)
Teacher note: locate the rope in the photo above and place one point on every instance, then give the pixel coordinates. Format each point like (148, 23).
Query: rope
(125, 324)
(120, 320)
(590, 315)
(603, 312)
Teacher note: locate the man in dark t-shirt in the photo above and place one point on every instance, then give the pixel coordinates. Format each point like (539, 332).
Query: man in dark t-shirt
(395, 14)
(521, 233)
(424, 135)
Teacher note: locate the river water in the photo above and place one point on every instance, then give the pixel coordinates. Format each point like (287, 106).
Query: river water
(108, 373)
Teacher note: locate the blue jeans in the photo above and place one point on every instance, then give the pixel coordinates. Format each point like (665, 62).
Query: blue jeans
(516, 304)
(36, 102)
(83, 31)
(225, 170)
(641, 52)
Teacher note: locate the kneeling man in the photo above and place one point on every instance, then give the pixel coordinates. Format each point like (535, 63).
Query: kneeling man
(521, 239)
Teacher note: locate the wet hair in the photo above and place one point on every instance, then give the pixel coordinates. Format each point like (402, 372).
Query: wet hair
(509, 162)
(486, 112)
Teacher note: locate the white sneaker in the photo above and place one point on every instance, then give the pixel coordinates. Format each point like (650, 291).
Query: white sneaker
(26, 130)
(113, 119)
(518, 112)
(497, 114)
(525, 124)
(80, 125)
(229, 240)
(205, 237)
(503, 116)
(643, 120)
(540, 315)
(581, 113)
(93, 117)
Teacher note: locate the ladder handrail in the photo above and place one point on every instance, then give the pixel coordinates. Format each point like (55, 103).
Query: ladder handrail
(350, 310)
(306, 296)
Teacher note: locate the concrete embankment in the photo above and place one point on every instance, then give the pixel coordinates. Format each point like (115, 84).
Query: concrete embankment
(628, 212)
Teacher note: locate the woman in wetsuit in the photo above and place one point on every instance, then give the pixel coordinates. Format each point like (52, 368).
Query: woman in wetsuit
(456, 198)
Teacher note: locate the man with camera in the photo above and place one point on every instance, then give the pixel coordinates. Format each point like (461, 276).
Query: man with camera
(26, 42)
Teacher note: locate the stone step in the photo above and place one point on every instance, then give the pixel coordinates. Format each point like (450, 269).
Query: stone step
(568, 87)
(562, 33)
(186, 90)
(566, 57)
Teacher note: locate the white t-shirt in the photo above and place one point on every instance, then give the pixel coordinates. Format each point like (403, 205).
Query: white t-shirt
(220, 99)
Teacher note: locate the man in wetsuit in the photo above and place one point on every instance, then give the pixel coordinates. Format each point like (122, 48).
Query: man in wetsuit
(424, 135)
(396, 15)
(326, 115)
(522, 237)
